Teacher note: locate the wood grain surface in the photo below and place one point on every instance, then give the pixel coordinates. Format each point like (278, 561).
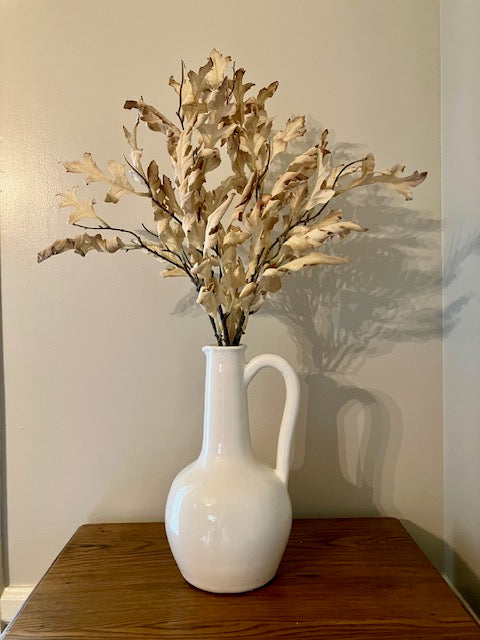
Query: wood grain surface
(340, 578)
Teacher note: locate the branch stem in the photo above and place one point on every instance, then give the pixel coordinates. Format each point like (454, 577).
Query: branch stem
(223, 319)
(215, 331)
(138, 238)
(180, 97)
(239, 332)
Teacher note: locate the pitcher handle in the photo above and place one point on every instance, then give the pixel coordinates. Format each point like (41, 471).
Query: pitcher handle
(290, 411)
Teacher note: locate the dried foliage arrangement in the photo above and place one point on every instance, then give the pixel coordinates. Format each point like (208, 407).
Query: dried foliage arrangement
(235, 242)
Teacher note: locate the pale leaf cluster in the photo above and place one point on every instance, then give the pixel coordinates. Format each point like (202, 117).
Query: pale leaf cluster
(237, 240)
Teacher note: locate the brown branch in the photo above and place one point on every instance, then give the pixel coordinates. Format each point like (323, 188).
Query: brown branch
(264, 173)
(349, 164)
(186, 258)
(215, 331)
(150, 232)
(239, 332)
(255, 274)
(183, 258)
(140, 242)
(179, 110)
(319, 212)
(233, 83)
(223, 319)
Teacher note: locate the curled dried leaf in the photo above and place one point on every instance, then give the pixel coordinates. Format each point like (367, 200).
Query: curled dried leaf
(392, 178)
(208, 300)
(247, 290)
(321, 194)
(205, 269)
(235, 236)
(213, 224)
(174, 272)
(84, 243)
(310, 260)
(155, 120)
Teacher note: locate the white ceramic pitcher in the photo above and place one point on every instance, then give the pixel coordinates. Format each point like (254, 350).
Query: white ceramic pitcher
(228, 514)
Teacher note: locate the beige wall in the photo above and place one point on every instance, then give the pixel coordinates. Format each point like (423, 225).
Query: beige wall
(103, 378)
(461, 208)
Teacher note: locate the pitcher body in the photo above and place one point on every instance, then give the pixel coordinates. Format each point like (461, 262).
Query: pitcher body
(228, 514)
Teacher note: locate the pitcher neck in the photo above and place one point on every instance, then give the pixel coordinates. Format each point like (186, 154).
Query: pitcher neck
(225, 428)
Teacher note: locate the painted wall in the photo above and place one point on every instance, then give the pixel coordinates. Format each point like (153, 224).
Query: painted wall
(103, 369)
(461, 209)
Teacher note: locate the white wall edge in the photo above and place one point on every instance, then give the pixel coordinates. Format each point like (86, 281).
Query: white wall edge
(12, 600)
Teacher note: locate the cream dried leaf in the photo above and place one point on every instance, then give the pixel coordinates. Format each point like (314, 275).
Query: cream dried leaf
(89, 168)
(235, 236)
(82, 208)
(238, 90)
(247, 290)
(392, 178)
(194, 232)
(213, 223)
(298, 244)
(245, 198)
(155, 120)
(402, 185)
(304, 238)
(135, 152)
(163, 223)
(296, 204)
(217, 196)
(310, 260)
(270, 280)
(204, 268)
(131, 136)
(294, 179)
(207, 299)
(263, 95)
(233, 272)
(294, 128)
(170, 198)
(153, 178)
(305, 162)
(197, 80)
(215, 76)
(118, 183)
(321, 194)
(174, 272)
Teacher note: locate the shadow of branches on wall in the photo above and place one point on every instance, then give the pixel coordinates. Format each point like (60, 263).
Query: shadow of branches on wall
(390, 292)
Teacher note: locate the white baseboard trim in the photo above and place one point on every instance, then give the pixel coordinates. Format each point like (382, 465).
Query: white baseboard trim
(12, 600)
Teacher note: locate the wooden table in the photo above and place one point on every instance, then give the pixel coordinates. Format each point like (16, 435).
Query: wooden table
(340, 578)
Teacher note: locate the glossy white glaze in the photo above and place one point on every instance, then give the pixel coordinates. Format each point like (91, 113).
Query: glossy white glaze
(228, 515)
